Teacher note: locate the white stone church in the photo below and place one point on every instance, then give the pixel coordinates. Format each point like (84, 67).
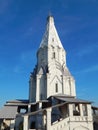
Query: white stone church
(52, 103)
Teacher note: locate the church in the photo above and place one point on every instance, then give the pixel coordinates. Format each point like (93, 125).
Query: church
(52, 103)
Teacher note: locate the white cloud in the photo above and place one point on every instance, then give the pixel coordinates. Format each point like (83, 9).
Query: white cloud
(26, 59)
(28, 56)
(83, 92)
(17, 69)
(93, 68)
(4, 5)
(88, 50)
(28, 32)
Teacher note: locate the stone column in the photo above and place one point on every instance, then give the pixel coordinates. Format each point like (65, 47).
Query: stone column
(12, 124)
(48, 87)
(29, 108)
(48, 119)
(37, 88)
(89, 113)
(44, 120)
(63, 85)
(40, 105)
(81, 109)
(25, 123)
(70, 109)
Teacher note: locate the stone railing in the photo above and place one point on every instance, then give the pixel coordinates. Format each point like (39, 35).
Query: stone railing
(64, 123)
(37, 129)
(61, 124)
(80, 118)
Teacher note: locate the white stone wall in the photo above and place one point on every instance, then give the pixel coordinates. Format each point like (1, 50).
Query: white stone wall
(51, 54)
(56, 66)
(32, 90)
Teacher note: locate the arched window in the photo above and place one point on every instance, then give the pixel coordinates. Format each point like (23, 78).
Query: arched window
(32, 126)
(21, 126)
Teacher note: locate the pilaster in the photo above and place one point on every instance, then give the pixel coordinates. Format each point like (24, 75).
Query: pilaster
(29, 107)
(81, 109)
(48, 119)
(37, 88)
(47, 89)
(70, 109)
(89, 110)
(63, 85)
(25, 123)
(12, 125)
(44, 120)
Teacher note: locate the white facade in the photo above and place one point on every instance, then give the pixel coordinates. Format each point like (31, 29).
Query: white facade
(52, 103)
(51, 75)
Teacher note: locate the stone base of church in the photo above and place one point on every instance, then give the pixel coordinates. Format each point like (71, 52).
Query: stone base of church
(55, 113)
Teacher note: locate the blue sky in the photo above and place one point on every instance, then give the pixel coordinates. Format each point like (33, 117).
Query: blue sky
(22, 25)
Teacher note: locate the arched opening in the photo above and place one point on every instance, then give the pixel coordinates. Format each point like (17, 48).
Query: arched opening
(22, 109)
(21, 126)
(32, 126)
(4, 126)
(76, 110)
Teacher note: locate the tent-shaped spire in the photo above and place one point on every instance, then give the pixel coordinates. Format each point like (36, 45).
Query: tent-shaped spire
(50, 36)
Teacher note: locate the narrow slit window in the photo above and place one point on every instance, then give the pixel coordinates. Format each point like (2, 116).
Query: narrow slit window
(56, 87)
(54, 55)
(52, 39)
